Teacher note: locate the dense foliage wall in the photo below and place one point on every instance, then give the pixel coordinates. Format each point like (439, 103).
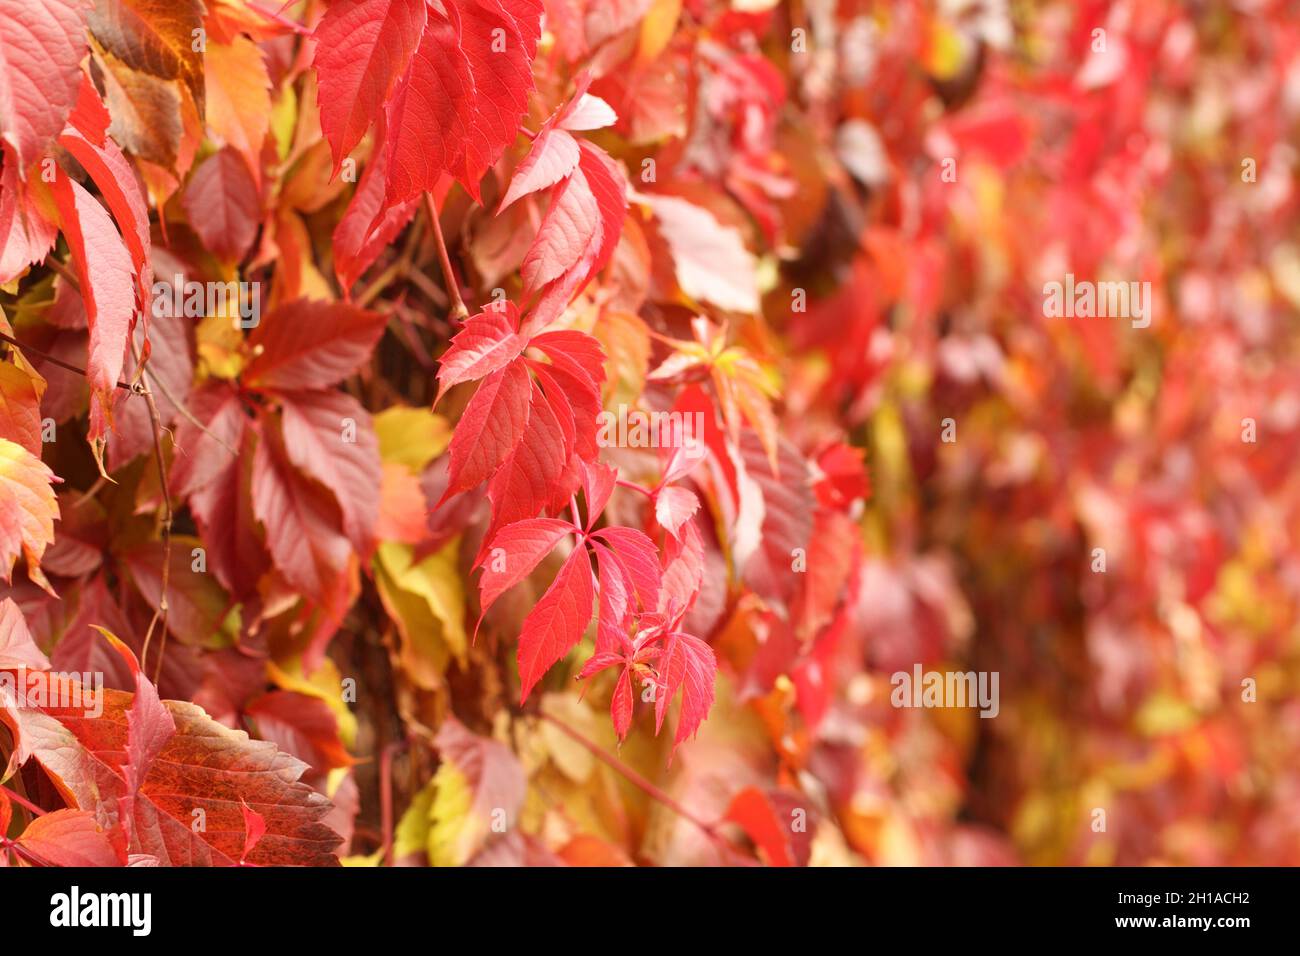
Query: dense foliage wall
(612, 431)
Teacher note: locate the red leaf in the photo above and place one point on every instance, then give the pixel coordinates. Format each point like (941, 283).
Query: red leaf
(223, 206)
(557, 623)
(488, 341)
(554, 153)
(149, 726)
(576, 353)
(768, 819)
(557, 295)
(600, 661)
(787, 518)
(565, 417)
(620, 704)
(107, 284)
(615, 605)
(842, 476)
(203, 454)
(25, 234)
(495, 781)
(598, 481)
(609, 186)
(170, 369)
(69, 838)
(528, 479)
(689, 664)
(212, 469)
(362, 48)
(637, 556)
(301, 520)
(576, 409)
(834, 552)
(499, 39)
(587, 112)
(568, 230)
(196, 604)
(428, 118)
(41, 46)
(306, 344)
(493, 423)
(89, 116)
(553, 156)
(523, 545)
(301, 725)
(674, 507)
(82, 648)
(458, 105)
(203, 767)
(712, 262)
(330, 437)
(254, 830)
(17, 649)
(224, 513)
(116, 180)
(368, 225)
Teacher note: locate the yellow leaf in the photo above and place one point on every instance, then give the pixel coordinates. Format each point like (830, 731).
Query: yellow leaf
(1164, 713)
(946, 51)
(411, 837)
(658, 27)
(21, 388)
(284, 119)
(411, 436)
(573, 759)
(27, 501)
(455, 831)
(374, 859)
(325, 683)
(426, 601)
(218, 335)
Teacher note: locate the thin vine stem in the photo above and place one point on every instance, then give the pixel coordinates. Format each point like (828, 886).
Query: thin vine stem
(458, 310)
(159, 618)
(46, 356)
(22, 802)
(644, 785)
